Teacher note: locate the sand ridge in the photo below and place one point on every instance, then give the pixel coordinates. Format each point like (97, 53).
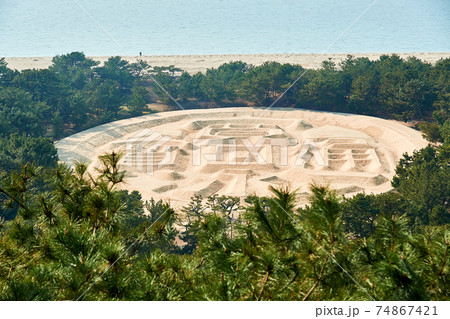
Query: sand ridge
(241, 151)
(200, 63)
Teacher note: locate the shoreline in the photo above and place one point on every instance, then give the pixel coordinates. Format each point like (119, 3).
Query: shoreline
(200, 63)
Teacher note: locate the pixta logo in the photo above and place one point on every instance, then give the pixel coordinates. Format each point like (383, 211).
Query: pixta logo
(261, 152)
(149, 150)
(146, 151)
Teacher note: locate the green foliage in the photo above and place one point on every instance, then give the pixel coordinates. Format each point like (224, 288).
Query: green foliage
(19, 113)
(389, 87)
(431, 131)
(164, 84)
(161, 232)
(82, 239)
(138, 99)
(422, 179)
(118, 71)
(194, 213)
(18, 153)
(19, 149)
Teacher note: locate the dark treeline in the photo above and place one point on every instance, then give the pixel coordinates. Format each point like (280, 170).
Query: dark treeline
(75, 93)
(61, 228)
(389, 87)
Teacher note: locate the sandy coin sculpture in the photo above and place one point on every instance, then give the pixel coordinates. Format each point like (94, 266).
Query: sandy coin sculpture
(241, 151)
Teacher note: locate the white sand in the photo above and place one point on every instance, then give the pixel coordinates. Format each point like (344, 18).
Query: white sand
(199, 63)
(351, 153)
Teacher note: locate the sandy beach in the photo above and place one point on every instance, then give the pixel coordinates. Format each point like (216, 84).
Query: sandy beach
(200, 63)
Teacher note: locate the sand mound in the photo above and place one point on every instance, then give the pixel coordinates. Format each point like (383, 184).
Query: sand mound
(273, 179)
(241, 151)
(302, 125)
(328, 131)
(379, 180)
(194, 126)
(168, 175)
(164, 189)
(350, 189)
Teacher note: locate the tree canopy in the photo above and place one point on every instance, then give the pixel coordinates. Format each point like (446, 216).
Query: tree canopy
(87, 240)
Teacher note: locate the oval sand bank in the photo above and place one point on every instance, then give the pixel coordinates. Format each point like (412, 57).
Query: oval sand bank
(241, 151)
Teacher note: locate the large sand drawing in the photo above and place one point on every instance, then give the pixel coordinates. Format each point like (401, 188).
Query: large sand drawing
(241, 151)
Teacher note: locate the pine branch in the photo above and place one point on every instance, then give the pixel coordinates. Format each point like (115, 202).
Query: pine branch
(444, 260)
(263, 282)
(317, 281)
(21, 205)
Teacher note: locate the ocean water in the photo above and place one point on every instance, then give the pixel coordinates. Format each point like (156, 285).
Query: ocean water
(176, 27)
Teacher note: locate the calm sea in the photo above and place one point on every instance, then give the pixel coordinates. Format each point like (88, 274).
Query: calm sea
(50, 27)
